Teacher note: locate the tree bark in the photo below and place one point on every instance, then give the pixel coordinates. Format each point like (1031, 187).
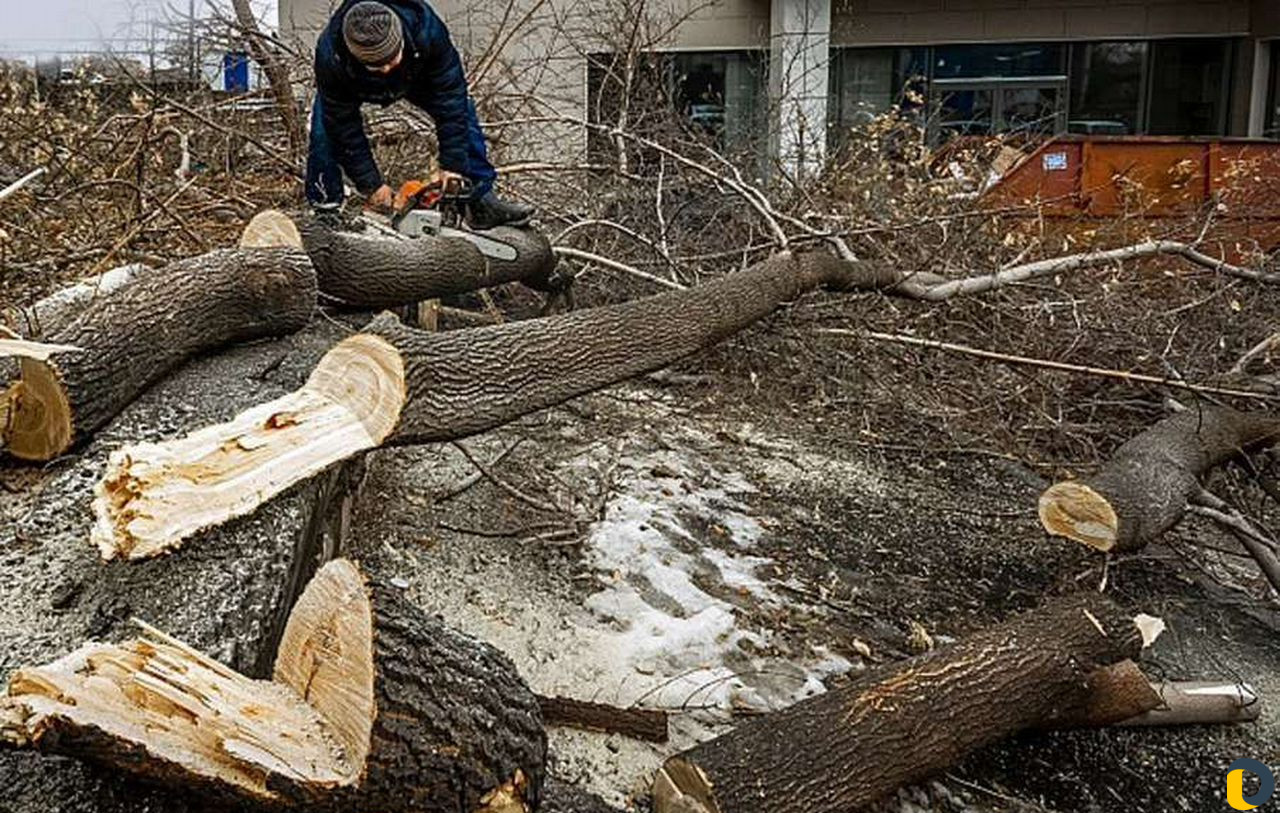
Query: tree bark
(464, 382)
(230, 597)
(642, 724)
(1144, 489)
(454, 384)
(901, 723)
(372, 271)
(137, 334)
(49, 315)
(374, 705)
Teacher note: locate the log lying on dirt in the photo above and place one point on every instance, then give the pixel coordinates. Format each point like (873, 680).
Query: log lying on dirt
(1145, 488)
(156, 320)
(455, 384)
(905, 721)
(373, 705)
(229, 598)
(375, 271)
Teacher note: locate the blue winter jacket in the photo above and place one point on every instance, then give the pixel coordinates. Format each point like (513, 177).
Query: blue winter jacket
(430, 76)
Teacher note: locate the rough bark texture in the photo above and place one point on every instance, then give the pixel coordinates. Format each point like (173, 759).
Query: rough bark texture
(229, 598)
(424, 718)
(51, 314)
(464, 382)
(1149, 480)
(143, 330)
(375, 271)
(454, 720)
(906, 721)
(1114, 694)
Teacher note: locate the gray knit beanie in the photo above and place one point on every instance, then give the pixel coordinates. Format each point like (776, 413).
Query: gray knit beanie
(372, 32)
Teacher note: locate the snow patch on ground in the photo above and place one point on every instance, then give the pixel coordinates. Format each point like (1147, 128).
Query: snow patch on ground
(677, 585)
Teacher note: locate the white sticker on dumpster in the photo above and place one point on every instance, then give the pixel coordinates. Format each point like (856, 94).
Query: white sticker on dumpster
(1054, 161)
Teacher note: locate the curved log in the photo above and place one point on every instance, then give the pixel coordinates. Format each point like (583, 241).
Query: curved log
(905, 721)
(372, 271)
(155, 321)
(1144, 489)
(49, 315)
(455, 384)
(374, 705)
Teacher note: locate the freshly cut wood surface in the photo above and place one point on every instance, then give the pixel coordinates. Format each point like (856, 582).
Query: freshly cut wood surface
(455, 384)
(1144, 488)
(374, 706)
(154, 321)
(155, 494)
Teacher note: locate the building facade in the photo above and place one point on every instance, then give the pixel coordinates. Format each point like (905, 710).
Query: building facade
(806, 71)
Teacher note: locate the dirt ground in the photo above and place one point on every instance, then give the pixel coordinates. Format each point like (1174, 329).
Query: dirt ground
(700, 543)
(736, 563)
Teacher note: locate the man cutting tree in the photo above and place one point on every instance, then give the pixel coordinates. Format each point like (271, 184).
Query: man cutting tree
(380, 51)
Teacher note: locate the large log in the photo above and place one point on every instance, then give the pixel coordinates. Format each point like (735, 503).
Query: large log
(377, 271)
(455, 384)
(373, 705)
(229, 598)
(905, 721)
(142, 330)
(1144, 489)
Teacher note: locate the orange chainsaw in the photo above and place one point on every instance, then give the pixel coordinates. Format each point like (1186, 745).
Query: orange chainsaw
(435, 208)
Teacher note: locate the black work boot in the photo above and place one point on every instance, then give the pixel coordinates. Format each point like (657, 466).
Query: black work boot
(490, 211)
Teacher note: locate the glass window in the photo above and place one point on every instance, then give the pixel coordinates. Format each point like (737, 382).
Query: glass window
(1002, 60)
(722, 94)
(1030, 109)
(967, 112)
(1272, 125)
(862, 85)
(866, 82)
(1189, 87)
(1106, 87)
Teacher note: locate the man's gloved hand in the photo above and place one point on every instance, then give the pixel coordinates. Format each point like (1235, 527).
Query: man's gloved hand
(382, 199)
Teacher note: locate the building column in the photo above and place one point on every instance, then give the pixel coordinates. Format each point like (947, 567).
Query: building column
(800, 46)
(1259, 87)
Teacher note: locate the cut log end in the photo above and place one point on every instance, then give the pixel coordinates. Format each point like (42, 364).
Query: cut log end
(155, 495)
(336, 680)
(1077, 512)
(37, 417)
(271, 229)
(343, 725)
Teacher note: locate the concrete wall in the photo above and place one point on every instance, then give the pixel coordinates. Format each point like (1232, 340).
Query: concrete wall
(920, 22)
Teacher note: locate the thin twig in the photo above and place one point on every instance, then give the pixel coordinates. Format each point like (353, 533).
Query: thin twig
(505, 486)
(1100, 372)
(1261, 547)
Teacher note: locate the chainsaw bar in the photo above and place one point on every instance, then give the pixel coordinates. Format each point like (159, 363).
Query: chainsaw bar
(489, 246)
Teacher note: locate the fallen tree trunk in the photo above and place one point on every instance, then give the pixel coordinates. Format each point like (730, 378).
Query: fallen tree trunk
(373, 271)
(373, 705)
(230, 597)
(56, 311)
(454, 384)
(1146, 486)
(157, 319)
(903, 722)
